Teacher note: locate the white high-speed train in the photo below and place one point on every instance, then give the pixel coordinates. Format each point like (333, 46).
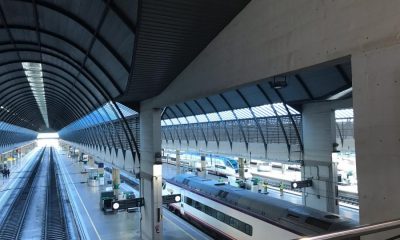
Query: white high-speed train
(227, 212)
(216, 164)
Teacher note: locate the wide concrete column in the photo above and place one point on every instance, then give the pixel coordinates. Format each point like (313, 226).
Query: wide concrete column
(376, 94)
(318, 138)
(150, 173)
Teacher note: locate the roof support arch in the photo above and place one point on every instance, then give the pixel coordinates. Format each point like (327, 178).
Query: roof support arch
(205, 114)
(264, 93)
(237, 121)
(255, 120)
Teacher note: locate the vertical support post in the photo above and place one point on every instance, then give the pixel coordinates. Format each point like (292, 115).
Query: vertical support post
(376, 97)
(151, 173)
(90, 161)
(116, 178)
(241, 168)
(178, 162)
(203, 166)
(319, 134)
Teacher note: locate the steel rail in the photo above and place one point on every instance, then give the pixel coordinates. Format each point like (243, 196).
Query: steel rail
(11, 227)
(54, 222)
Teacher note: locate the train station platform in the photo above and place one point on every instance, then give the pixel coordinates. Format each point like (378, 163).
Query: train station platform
(18, 169)
(123, 225)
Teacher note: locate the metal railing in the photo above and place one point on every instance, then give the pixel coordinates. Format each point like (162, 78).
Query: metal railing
(360, 231)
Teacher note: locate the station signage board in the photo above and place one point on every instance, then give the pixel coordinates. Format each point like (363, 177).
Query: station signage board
(301, 184)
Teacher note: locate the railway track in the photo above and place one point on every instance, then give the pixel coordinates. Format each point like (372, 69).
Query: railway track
(11, 227)
(54, 221)
(346, 197)
(53, 225)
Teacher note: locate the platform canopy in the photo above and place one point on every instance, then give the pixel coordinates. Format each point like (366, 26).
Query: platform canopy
(273, 96)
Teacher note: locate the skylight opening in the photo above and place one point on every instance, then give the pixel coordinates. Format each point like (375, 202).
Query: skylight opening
(262, 111)
(227, 115)
(34, 74)
(344, 115)
(213, 117)
(182, 120)
(201, 118)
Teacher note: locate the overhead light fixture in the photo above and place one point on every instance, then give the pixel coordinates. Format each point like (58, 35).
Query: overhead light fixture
(279, 82)
(34, 74)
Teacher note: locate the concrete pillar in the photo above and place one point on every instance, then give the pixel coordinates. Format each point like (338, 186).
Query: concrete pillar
(241, 168)
(151, 173)
(284, 167)
(116, 178)
(90, 161)
(376, 93)
(319, 135)
(178, 162)
(203, 169)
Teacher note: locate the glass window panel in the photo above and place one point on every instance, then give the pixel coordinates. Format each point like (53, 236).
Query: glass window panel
(182, 120)
(167, 122)
(263, 111)
(213, 117)
(174, 121)
(227, 115)
(191, 119)
(243, 113)
(201, 118)
(280, 109)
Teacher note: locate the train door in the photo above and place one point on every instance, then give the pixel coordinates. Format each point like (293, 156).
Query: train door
(182, 203)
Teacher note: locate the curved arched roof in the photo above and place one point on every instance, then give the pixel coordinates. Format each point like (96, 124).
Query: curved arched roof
(85, 50)
(94, 51)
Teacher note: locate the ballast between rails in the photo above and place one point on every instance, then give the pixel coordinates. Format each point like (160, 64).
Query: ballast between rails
(12, 225)
(54, 225)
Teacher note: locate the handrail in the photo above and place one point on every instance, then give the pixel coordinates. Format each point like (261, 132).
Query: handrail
(359, 231)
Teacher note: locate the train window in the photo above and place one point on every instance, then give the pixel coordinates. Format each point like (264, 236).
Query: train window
(249, 229)
(208, 210)
(235, 223)
(242, 226)
(227, 219)
(330, 216)
(231, 222)
(188, 201)
(197, 205)
(294, 217)
(222, 194)
(220, 216)
(318, 223)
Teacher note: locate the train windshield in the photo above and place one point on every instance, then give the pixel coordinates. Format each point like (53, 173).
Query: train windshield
(232, 163)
